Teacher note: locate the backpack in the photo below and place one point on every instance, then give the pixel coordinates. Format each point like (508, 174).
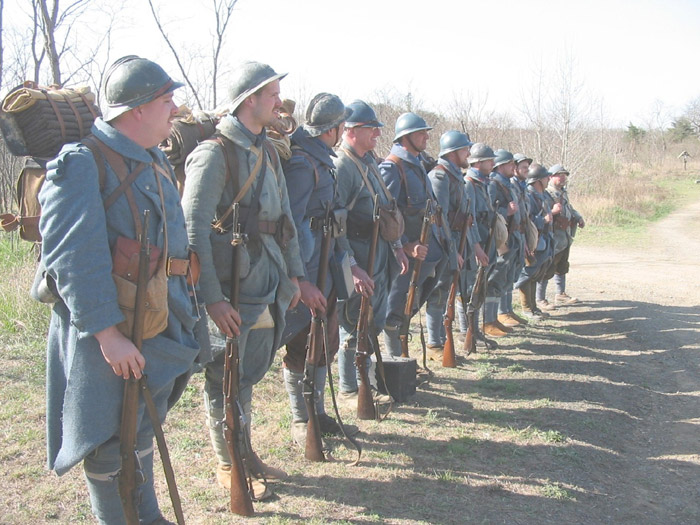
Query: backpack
(36, 122)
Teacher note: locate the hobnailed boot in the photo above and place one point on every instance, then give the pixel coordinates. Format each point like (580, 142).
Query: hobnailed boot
(507, 320)
(532, 291)
(260, 490)
(434, 352)
(494, 330)
(525, 304)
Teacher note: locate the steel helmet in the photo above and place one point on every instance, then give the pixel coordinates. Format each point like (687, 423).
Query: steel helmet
(536, 172)
(452, 141)
(409, 123)
(519, 157)
(324, 112)
(362, 116)
(133, 81)
(249, 77)
(479, 152)
(502, 157)
(556, 169)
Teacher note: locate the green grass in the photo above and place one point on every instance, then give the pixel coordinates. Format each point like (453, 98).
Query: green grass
(555, 491)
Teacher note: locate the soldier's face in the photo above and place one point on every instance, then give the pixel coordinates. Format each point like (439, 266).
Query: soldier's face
(507, 169)
(156, 118)
(462, 156)
(486, 166)
(366, 138)
(419, 139)
(559, 180)
(521, 170)
(266, 104)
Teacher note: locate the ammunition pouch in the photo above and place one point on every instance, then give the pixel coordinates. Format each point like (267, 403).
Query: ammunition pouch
(560, 222)
(391, 223)
(125, 259)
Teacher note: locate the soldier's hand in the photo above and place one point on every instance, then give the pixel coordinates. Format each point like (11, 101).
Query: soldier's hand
(581, 223)
(416, 250)
(363, 283)
(460, 261)
(297, 294)
(556, 208)
(120, 353)
(225, 317)
(512, 207)
(548, 218)
(312, 297)
(402, 260)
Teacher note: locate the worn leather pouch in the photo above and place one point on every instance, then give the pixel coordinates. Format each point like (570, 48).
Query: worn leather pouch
(125, 258)
(391, 223)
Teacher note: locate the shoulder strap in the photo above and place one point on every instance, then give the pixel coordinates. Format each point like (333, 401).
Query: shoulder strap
(230, 158)
(297, 149)
(107, 155)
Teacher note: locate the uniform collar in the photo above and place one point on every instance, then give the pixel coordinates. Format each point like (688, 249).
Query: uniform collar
(313, 146)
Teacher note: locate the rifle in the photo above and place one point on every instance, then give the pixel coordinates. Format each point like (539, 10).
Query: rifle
(448, 353)
(130, 462)
(234, 417)
(314, 351)
(365, 403)
(478, 293)
(413, 286)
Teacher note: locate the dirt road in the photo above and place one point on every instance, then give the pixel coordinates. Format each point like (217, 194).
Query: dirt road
(643, 307)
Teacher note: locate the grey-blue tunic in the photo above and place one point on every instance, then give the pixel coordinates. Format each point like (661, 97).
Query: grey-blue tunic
(308, 199)
(84, 396)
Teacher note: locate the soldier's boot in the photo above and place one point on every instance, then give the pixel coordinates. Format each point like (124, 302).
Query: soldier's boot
(434, 352)
(561, 297)
(535, 309)
(508, 320)
(260, 490)
(493, 330)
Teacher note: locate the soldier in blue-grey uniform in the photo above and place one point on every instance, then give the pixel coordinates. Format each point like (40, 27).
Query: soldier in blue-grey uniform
(270, 259)
(406, 179)
(481, 161)
(456, 198)
(538, 263)
(359, 183)
(501, 192)
(88, 358)
(566, 220)
(311, 184)
(506, 315)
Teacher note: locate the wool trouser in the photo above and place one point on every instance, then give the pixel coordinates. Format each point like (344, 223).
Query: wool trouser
(427, 279)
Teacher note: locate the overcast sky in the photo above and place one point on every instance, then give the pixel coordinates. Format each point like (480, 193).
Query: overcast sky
(631, 54)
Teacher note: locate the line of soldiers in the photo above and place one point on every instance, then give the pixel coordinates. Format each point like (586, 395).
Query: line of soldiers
(284, 195)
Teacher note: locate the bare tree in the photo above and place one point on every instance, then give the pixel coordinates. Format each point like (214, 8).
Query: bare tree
(223, 10)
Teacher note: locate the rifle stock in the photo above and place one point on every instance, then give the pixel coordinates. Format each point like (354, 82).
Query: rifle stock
(241, 502)
(448, 353)
(413, 285)
(313, 450)
(365, 402)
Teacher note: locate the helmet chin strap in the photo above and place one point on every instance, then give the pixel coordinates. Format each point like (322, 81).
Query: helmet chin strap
(410, 141)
